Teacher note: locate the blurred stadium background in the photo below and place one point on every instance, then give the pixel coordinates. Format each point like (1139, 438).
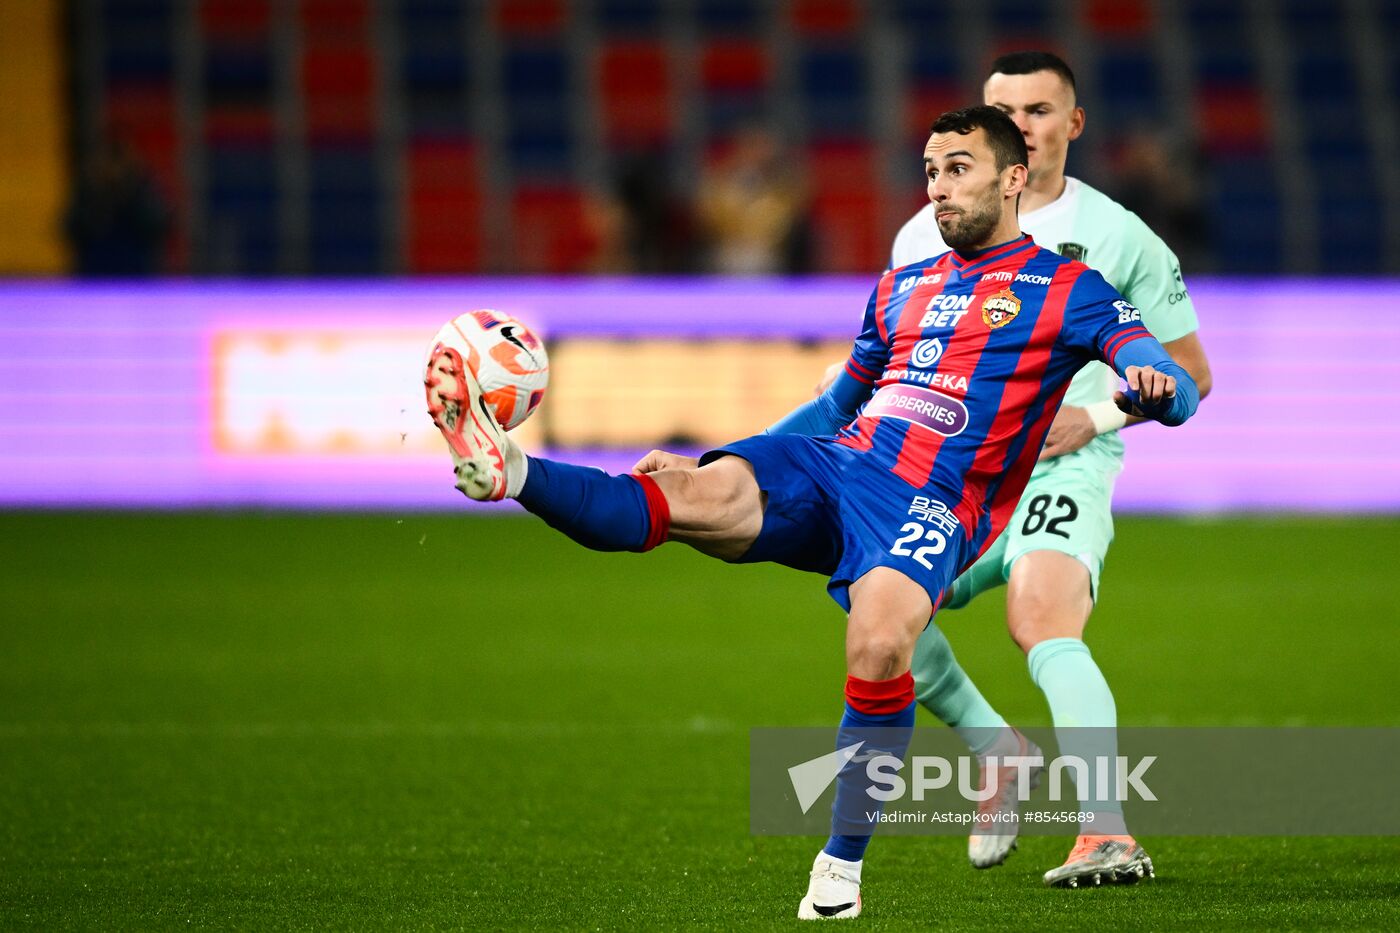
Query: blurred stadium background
(366, 137)
(229, 227)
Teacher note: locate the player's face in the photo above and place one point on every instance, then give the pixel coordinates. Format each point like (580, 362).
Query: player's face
(964, 186)
(1041, 104)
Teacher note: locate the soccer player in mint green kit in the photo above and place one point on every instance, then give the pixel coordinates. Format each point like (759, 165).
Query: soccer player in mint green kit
(1053, 548)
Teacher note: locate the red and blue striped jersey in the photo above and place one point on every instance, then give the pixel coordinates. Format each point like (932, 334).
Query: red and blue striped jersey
(969, 359)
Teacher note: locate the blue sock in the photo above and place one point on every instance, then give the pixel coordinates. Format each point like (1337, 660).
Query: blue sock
(596, 509)
(880, 713)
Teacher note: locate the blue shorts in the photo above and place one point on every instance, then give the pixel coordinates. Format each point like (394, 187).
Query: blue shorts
(831, 510)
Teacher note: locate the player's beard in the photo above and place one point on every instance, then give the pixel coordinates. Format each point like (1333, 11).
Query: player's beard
(975, 224)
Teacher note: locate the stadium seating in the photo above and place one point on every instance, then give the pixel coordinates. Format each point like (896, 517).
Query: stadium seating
(355, 137)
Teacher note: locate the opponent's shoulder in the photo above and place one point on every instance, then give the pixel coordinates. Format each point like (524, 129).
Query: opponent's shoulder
(1087, 285)
(918, 239)
(1111, 219)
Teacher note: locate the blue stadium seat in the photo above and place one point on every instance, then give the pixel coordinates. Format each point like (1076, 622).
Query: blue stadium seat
(532, 72)
(138, 36)
(933, 63)
(834, 88)
(538, 108)
(543, 151)
(1226, 62)
(1023, 17)
(345, 219)
(728, 17)
(241, 209)
(237, 74)
(1129, 87)
(1323, 76)
(1351, 234)
(1221, 18)
(923, 18)
(1315, 20)
(424, 16)
(628, 16)
(1245, 210)
(436, 73)
(1388, 12)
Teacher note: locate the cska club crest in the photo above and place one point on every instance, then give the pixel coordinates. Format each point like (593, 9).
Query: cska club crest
(1000, 309)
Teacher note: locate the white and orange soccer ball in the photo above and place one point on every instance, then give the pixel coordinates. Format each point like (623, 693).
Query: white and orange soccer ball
(505, 355)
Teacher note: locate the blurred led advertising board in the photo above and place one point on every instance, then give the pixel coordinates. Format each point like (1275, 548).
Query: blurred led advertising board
(310, 395)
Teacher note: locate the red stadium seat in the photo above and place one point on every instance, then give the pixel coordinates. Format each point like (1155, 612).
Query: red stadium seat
(850, 233)
(235, 19)
(1125, 19)
(922, 106)
(1232, 119)
(550, 231)
(323, 20)
(250, 124)
(444, 208)
(635, 86)
(520, 17)
(734, 66)
(825, 17)
(841, 168)
(339, 87)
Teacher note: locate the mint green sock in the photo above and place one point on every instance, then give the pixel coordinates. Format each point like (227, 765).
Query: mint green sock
(1086, 723)
(984, 575)
(944, 689)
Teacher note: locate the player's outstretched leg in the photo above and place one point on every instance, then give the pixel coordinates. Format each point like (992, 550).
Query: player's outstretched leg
(716, 508)
(887, 611)
(488, 463)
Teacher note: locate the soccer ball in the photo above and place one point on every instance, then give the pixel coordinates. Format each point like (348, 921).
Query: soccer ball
(506, 357)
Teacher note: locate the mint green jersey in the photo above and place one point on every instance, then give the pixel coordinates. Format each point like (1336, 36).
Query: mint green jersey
(1085, 224)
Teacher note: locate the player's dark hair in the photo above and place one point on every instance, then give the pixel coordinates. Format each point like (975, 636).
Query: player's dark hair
(1028, 63)
(1008, 145)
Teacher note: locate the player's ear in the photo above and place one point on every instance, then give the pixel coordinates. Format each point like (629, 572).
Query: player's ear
(1076, 122)
(1015, 180)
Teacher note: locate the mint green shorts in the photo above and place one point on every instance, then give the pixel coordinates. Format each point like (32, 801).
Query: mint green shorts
(1067, 507)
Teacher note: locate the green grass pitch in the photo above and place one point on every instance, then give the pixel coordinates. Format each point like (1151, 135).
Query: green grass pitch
(363, 722)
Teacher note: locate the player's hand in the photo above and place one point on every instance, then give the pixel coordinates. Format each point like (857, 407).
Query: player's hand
(829, 377)
(659, 460)
(1148, 392)
(1071, 430)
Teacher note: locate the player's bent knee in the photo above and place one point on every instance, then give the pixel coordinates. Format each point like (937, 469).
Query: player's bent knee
(879, 655)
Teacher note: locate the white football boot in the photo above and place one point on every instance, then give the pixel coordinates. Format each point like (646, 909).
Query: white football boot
(1097, 860)
(834, 891)
(489, 465)
(994, 834)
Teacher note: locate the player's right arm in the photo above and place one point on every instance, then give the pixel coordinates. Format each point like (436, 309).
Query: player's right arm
(838, 402)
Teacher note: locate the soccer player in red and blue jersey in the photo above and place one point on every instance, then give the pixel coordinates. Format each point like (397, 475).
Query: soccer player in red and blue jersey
(898, 476)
